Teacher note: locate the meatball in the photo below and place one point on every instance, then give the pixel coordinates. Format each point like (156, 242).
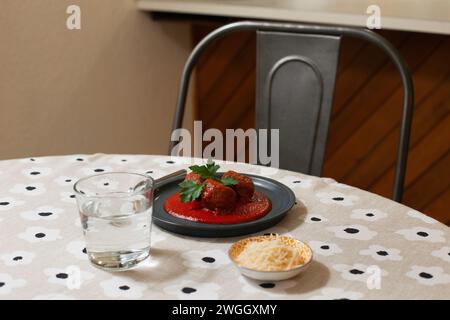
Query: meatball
(193, 176)
(244, 188)
(216, 196)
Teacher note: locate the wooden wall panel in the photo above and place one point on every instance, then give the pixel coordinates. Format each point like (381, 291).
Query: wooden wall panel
(364, 65)
(426, 117)
(364, 128)
(368, 141)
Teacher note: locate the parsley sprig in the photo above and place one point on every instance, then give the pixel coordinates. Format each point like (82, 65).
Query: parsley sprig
(206, 171)
(191, 190)
(228, 181)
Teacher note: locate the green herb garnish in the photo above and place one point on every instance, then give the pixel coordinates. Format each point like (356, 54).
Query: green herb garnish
(206, 171)
(228, 181)
(191, 190)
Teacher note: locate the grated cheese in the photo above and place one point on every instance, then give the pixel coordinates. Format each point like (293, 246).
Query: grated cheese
(271, 255)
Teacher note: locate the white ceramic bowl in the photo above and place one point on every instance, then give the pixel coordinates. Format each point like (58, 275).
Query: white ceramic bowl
(237, 247)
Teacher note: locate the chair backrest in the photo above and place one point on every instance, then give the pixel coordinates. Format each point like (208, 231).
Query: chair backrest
(296, 71)
(294, 92)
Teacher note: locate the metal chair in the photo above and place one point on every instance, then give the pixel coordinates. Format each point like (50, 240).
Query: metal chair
(296, 72)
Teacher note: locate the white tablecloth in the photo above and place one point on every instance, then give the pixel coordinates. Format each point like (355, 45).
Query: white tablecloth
(365, 246)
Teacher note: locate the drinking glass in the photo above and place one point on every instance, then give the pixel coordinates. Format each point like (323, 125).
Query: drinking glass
(116, 215)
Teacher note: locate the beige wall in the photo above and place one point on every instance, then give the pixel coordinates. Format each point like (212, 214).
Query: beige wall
(109, 87)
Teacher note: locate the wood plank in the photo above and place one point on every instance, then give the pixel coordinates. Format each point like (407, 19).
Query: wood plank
(377, 93)
(248, 119)
(224, 58)
(439, 207)
(427, 115)
(426, 147)
(230, 81)
(383, 126)
(351, 79)
(431, 184)
(350, 49)
(237, 105)
(198, 33)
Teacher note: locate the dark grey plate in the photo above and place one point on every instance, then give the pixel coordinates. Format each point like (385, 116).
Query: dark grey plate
(281, 196)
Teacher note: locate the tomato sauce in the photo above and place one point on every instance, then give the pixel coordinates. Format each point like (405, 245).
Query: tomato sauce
(258, 207)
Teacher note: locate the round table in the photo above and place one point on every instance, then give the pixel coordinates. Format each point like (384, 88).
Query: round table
(365, 246)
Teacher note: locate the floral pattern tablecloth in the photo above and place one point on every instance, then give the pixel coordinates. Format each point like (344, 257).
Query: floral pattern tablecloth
(365, 246)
